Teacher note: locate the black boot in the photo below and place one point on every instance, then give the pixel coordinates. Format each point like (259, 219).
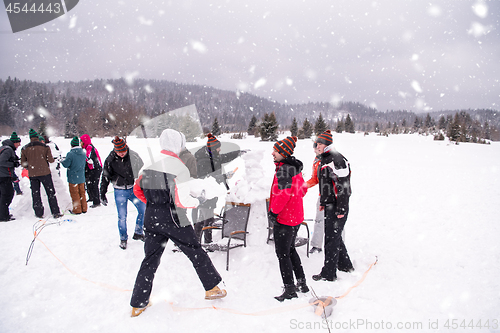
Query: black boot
(302, 286)
(288, 293)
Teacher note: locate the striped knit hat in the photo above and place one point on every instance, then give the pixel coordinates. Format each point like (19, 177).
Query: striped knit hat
(14, 138)
(120, 145)
(33, 133)
(325, 138)
(286, 146)
(41, 138)
(75, 142)
(212, 143)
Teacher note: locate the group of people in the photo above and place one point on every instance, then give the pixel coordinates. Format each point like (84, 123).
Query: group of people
(162, 196)
(41, 160)
(332, 172)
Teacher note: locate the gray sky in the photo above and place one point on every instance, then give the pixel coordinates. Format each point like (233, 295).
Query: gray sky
(389, 54)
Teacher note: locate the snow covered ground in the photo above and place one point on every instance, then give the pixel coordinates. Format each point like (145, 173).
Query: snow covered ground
(428, 210)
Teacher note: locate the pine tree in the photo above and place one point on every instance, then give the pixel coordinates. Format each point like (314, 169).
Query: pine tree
(486, 131)
(216, 131)
(320, 125)
(349, 124)
(42, 129)
(294, 129)
(190, 128)
(442, 123)
(340, 126)
(269, 128)
(376, 127)
(307, 128)
(454, 129)
(252, 126)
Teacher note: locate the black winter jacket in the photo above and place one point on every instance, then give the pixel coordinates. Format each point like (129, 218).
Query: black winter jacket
(120, 171)
(335, 181)
(209, 163)
(8, 159)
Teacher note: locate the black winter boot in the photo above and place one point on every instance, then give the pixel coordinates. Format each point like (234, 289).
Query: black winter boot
(302, 286)
(288, 293)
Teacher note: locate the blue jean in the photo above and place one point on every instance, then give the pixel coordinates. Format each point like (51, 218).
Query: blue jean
(121, 199)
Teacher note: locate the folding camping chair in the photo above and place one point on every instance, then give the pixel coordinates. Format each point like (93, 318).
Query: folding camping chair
(233, 225)
(299, 241)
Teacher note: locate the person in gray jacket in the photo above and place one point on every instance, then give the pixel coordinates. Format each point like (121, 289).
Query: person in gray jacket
(8, 162)
(75, 163)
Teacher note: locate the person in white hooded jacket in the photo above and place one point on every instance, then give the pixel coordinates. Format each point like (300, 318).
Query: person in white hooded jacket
(164, 187)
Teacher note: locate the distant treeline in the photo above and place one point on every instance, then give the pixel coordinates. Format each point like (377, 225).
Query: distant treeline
(116, 107)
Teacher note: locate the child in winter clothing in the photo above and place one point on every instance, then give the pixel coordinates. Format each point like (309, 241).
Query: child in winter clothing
(93, 170)
(286, 211)
(121, 168)
(75, 161)
(335, 190)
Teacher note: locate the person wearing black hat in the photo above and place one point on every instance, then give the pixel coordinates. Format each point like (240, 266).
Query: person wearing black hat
(209, 162)
(75, 163)
(8, 162)
(36, 157)
(121, 168)
(286, 212)
(335, 190)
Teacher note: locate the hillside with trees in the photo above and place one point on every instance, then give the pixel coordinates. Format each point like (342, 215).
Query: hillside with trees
(116, 107)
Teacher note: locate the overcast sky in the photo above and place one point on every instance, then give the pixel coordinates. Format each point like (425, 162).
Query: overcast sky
(389, 54)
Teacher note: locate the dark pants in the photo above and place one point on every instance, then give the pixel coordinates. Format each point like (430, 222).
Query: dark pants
(48, 185)
(6, 195)
(207, 233)
(92, 182)
(157, 237)
(336, 256)
(205, 218)
(288, 258)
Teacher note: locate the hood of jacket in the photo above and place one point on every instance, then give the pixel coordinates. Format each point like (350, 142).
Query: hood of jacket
(9, 144)
(172, 140)
(85, 140)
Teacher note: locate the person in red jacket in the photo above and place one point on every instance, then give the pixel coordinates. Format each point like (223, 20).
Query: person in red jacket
(286, 211)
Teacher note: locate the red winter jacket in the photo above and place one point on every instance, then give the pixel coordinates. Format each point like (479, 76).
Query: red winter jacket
(287, 192)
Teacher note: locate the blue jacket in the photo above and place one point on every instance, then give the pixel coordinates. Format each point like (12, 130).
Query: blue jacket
(75, 162)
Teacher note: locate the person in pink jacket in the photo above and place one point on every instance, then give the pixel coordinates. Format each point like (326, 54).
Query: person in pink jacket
(286, 211)
(93, 170)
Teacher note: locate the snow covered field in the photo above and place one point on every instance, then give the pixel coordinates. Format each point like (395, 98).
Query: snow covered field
(429, 211)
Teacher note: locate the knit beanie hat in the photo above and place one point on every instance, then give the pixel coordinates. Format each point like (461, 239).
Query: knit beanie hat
(14, 138)
(75, 142)
(120, 145)
(286, 146)
(33, 133)
(212, 143)
(41, 138)
(325, 138)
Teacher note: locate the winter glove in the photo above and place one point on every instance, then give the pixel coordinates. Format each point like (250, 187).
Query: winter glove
(273, 218)
(201, 198)
(104, 200)
(244, 151)
(220, 178)
(91, 164)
